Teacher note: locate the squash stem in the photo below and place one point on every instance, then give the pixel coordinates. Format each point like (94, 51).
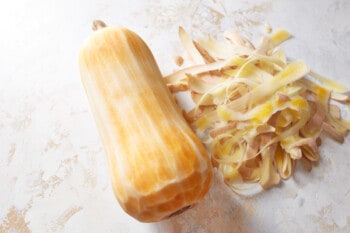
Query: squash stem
(98, 24)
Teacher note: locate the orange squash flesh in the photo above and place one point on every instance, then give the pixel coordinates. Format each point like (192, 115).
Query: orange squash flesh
(157, 164)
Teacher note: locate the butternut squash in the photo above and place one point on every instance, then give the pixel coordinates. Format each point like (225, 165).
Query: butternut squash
(157, 164)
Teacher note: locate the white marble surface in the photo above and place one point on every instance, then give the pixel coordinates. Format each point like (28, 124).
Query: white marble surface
(53, 173)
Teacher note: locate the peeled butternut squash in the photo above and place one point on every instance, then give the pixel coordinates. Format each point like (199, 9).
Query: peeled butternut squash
(157, 164)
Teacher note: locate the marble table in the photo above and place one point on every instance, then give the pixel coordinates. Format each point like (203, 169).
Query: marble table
(53, 172)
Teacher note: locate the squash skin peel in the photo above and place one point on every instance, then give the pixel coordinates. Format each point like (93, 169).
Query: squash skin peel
(262, 89)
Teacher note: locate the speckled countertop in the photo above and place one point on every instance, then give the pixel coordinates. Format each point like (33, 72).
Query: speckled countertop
(53, 173)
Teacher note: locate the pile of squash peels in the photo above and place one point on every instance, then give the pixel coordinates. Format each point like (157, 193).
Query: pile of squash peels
(257, 112)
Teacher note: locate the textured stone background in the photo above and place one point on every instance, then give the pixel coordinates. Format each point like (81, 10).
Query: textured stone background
(53, 173)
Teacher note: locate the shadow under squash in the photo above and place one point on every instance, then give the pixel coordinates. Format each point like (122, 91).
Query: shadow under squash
(221, 211)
